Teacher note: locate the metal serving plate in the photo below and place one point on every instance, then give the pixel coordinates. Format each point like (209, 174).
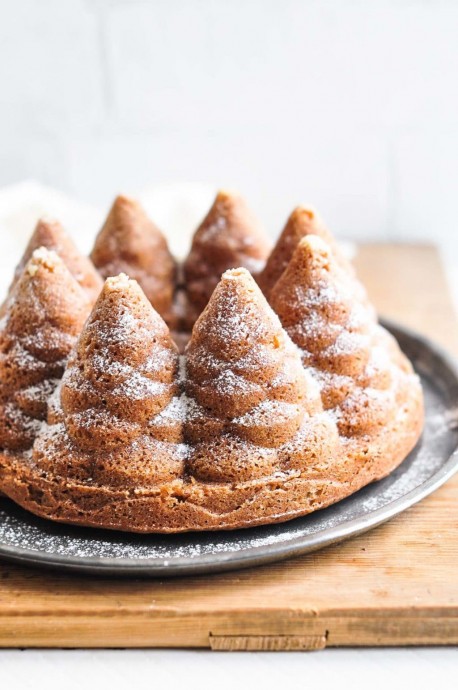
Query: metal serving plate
(33, 541)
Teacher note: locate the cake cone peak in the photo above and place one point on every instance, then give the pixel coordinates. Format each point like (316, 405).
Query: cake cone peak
(123, 372)
(130, 242)
(229, 236)
(126, 209)
(237, 316)
(242, 367)
(303, 222)
(44, 258)
(129, 286)
(316, 298)
(46, 292)
(50, 234)
(313, 252)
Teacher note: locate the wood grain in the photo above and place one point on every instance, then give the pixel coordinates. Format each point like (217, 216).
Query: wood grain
(396, 585)
(407, 283)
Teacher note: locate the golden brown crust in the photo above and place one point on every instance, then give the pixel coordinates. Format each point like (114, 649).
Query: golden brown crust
(191, 505)
(129, 242)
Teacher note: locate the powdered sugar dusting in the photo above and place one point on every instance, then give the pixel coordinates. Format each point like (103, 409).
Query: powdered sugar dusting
(138, 387)
(162, 554)
(33, 349)
(18, 418)
(176, 411)
(347, 343)
(269, 410)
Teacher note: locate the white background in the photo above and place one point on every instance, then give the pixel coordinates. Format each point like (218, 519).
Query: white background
(349, 105)
(334, 669)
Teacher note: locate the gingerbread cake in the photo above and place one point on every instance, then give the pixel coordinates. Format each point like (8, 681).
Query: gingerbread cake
(281, 404)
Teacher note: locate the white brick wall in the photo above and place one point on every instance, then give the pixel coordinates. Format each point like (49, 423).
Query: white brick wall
(347, 104)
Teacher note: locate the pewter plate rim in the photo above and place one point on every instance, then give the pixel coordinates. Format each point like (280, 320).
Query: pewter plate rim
(264, 553)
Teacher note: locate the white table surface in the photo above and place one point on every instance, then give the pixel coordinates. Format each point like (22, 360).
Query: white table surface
(192, 669)
(377, 669)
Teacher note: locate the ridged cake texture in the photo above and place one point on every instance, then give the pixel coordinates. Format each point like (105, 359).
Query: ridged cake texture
(121, 376)
(42, 320)
(365, 381)
(278, 406)
(249, 392)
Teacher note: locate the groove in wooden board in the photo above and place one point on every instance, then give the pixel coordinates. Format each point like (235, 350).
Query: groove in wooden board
(267, 643)
(395, 585)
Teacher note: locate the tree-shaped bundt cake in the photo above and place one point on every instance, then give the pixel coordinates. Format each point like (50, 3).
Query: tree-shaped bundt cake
(277, 408)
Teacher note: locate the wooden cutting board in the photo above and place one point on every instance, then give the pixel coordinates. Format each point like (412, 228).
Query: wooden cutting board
(396, 585)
